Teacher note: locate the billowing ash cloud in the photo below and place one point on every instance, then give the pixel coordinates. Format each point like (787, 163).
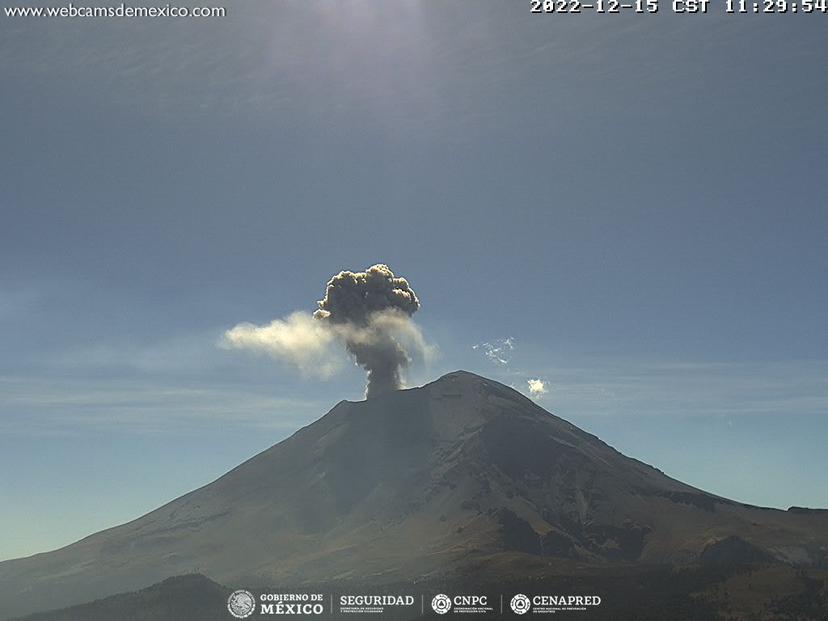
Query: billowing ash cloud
(352, 297)
(369, 312)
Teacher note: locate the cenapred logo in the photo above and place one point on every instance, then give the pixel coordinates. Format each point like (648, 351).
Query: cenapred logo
(241, 604)
(441, 604)
(540, 604)
(520, 604)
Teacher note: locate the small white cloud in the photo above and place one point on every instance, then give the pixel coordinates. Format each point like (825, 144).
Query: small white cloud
(497, 351)
(537, 388)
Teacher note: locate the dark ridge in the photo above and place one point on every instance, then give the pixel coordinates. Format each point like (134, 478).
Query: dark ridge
(191, 597)
(807, 511)
(517, 534)
(733, 550)
(702, 501)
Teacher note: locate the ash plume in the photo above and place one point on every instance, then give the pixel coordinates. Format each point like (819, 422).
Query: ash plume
(368, 312)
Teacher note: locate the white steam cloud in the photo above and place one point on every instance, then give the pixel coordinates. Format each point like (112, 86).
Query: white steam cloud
(299, 339)
(537, 388)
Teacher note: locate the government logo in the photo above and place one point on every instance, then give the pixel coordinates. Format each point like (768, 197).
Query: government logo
(241, 604)
(520, 604)
(550, 604)
(441, 604)
(461, 604)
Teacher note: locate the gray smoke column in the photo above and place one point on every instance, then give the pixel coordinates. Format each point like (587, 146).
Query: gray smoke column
(370, 311)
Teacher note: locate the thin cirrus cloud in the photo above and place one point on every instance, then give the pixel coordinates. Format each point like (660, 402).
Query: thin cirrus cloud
(498, 351)
(64, 407)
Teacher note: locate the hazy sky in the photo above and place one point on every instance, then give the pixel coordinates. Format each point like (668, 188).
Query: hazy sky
(639, 201)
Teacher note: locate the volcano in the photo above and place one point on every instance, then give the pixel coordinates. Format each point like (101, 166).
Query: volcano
(461, 477)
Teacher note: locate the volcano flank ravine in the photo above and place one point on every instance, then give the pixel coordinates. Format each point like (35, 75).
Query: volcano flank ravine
(462, 477)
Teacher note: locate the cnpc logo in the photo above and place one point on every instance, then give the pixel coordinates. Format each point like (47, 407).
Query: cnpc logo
(442, 603)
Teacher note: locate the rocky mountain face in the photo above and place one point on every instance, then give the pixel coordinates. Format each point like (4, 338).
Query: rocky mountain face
(463, 476)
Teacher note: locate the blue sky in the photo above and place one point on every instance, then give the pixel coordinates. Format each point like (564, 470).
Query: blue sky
(639, 201)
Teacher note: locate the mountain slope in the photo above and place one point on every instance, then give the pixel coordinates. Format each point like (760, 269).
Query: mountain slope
(192, 597)
(463, 474)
